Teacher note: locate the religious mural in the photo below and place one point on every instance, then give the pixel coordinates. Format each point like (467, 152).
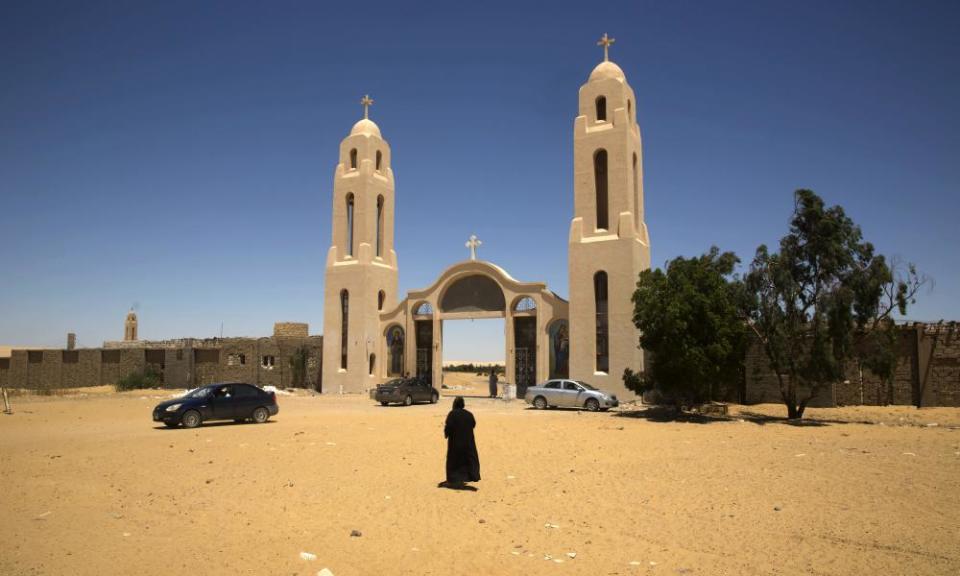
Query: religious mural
(559, 349)
(395, 347)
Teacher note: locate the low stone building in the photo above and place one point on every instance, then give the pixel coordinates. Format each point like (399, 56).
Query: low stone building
(289, 358)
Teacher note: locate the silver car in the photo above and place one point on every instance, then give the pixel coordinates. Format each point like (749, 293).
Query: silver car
(570, 394)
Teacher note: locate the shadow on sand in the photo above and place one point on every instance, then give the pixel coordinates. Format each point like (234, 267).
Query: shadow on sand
(460, 487)
(670, 414)
(215, 424)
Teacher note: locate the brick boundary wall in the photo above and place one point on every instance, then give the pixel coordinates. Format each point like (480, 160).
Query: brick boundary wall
(182, 363)
(927, 373)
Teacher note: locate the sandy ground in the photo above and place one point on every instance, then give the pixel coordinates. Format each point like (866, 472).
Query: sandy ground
(91, 486)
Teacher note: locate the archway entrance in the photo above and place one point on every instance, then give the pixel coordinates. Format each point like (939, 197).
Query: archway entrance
(426, 320)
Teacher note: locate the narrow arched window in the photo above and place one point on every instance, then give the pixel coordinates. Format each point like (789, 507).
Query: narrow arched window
(601, 108)
(636, 191)
(379, 226)
(373, 363)
(603, 329)
(600, 182)
(349, 224)
(353, 159)
(629, 109)
(380, 298)
(344, 321)
(379, 160)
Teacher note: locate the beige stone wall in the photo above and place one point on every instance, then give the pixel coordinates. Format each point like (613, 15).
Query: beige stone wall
(291, 330)
(622, 250)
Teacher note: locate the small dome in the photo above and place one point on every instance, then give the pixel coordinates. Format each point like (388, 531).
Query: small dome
(366, 127)
(606, 70)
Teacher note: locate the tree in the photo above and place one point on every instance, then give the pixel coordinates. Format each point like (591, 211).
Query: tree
(811, 305)
(690, 321)
(879, 343)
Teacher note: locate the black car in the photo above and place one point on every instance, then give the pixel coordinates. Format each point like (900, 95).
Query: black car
(406, 391)
(226, 401)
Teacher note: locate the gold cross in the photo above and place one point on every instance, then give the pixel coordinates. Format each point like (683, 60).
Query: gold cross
(367, 102)
(606, 41)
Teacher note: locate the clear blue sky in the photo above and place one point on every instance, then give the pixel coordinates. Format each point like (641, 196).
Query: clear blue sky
(180, 155)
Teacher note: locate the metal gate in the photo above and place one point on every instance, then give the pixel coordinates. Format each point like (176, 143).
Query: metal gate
(424, 361)
(526, 370)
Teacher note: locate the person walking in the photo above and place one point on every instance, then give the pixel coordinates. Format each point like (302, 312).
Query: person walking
(463, 463)
(493, 382)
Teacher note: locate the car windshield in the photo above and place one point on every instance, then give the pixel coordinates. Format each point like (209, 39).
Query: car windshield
(585, 385)
(394, 382)
(198, 393)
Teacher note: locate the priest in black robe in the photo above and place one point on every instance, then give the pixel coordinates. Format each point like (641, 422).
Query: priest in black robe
(463, 463)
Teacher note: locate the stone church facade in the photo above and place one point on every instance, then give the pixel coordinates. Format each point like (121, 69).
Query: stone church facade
(372, 334)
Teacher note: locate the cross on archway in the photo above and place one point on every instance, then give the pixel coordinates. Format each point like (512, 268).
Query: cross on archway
(473, 244)
(606, 41)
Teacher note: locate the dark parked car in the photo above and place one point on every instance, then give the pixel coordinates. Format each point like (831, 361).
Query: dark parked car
(406, 391)
(226, 401)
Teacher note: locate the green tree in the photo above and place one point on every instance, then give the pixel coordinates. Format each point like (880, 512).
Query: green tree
(811, 304)
(689, 316)
(879, 343)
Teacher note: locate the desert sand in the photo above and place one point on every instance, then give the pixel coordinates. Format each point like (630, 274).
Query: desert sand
(91, 486)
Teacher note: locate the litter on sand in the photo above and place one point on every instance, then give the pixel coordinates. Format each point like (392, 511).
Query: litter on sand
(308, 556)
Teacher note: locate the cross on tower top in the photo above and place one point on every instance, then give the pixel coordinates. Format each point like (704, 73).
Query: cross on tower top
(367, 102)
(473, 244)
(606, 41)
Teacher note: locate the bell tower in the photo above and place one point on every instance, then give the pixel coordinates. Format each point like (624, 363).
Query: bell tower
(609, 244)
(361, 269)
(130, 327)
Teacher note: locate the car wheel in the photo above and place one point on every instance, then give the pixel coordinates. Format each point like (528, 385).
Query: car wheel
(434, 397)
(540, 403)
(592, 404)
(191, 419)
(383, 402)
(260, 415)
(408, 400)
(170, 424)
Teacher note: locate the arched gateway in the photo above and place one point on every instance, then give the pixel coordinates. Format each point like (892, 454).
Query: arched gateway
(535, 323)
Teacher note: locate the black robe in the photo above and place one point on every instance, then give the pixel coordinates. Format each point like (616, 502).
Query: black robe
(463, 463)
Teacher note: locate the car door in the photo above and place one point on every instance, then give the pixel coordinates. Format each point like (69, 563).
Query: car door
(572, 394)
(553, 392)
(247, 398)
(224, 403)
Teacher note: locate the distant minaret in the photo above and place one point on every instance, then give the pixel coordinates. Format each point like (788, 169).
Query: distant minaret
(609, 245)
(361, 274)
(130, 327)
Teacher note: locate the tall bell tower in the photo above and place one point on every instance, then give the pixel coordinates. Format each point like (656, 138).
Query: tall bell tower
(361, 270)
(609, 244)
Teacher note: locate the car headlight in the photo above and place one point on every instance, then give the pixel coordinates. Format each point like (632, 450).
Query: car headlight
(174, 407)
